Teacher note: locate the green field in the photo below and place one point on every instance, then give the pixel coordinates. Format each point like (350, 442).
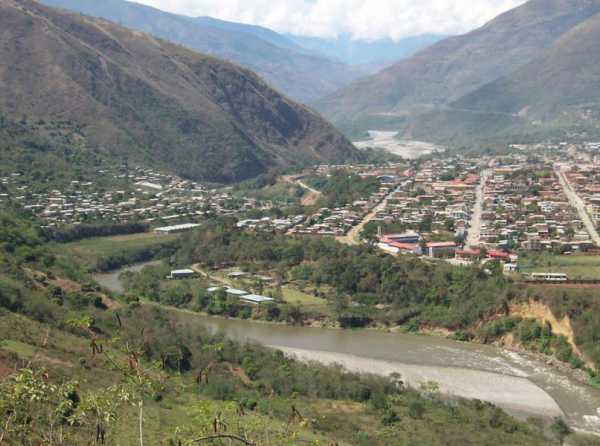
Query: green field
(576, 266)
(103, 253)
(307, 301)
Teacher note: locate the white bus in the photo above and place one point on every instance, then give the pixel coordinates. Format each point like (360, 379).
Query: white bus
(550, 277)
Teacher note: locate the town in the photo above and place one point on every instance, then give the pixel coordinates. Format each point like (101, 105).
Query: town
(459, 209)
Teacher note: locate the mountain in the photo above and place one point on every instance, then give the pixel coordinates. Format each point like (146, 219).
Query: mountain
(457, 66)
(559, 90)
(151, 101)
(302, 75)
(261, 32)
(380, 53)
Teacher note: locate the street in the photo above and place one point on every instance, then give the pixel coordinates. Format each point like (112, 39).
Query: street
(474, 233)
(579, 205)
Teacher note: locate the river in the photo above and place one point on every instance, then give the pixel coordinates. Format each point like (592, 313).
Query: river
(405, 148)
(519, 383)
(110, 280)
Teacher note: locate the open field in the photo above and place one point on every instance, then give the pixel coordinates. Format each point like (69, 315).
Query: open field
(103, 253)
(307, 301)
(576, 266)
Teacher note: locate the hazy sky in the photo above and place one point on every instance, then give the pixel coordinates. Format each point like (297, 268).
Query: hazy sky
(364, 19)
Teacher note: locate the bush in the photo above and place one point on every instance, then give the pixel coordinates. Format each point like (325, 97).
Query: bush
(416, 409)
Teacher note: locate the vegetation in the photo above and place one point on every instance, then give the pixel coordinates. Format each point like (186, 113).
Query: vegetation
(79, 232)
(268, 187)
(577, 266)
(72, 372)
(107, 253)
(51, 154)
(206, 130)
(342, 188)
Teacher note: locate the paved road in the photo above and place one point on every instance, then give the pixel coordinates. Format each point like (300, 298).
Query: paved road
(579, 205)
(474, 234)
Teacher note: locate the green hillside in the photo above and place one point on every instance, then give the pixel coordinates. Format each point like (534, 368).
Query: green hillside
(139, 98)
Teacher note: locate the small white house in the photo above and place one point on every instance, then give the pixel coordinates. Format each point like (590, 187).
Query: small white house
(182, 274)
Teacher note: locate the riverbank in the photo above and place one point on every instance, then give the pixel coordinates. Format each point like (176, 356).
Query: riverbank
(517, 395)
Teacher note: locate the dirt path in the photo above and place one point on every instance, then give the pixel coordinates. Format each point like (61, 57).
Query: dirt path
(313, 194)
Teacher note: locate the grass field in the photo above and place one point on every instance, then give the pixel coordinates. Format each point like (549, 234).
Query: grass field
(91, 253)
(576, 266)
(293, 296)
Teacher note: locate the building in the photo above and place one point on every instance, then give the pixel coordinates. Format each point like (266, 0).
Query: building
(408, 237)
(441, 249)
(176, 228)
(255, 299)
(594, 209)
(182, 274)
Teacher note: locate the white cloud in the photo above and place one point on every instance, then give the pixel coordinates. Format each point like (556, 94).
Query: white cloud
(363, 19)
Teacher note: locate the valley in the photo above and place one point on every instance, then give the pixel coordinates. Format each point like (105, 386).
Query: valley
(193, 250)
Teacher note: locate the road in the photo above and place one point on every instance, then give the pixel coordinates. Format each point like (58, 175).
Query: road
(353, 235)
(579, 205)
(474, 234)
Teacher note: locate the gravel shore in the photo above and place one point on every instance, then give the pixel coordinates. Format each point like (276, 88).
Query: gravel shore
(516, 395)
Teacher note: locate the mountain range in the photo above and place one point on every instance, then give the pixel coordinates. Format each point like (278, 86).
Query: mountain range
(302, 74)
(148, 100)
(492, 79)
(366, 53)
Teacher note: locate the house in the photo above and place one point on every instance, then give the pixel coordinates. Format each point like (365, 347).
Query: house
(235, 292)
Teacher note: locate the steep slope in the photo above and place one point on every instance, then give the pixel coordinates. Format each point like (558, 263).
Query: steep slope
(559, 91)
(459, 65)
(298, 73)
(141, 98)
